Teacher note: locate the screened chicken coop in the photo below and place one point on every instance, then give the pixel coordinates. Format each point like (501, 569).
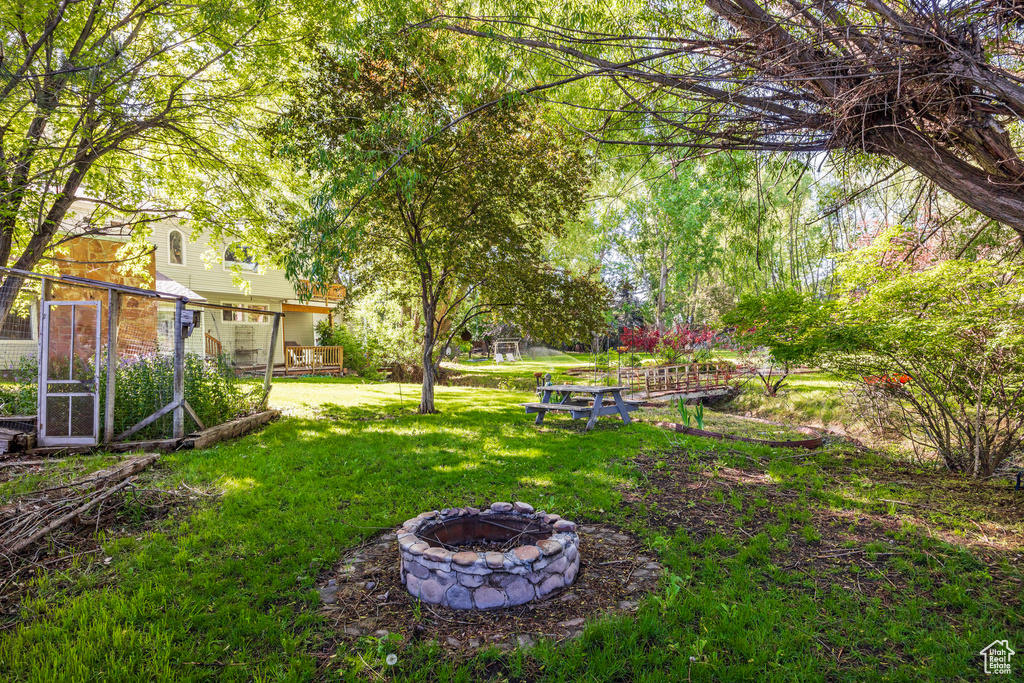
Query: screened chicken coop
(85, 362)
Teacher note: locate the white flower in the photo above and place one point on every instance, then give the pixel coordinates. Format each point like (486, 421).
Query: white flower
(391, 659)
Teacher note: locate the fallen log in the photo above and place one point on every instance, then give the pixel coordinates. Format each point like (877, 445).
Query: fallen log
(229, 430)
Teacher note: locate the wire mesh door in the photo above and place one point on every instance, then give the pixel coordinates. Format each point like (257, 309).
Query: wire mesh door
(69, 374)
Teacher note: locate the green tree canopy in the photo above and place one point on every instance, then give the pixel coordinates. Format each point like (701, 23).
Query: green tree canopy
(461, 220)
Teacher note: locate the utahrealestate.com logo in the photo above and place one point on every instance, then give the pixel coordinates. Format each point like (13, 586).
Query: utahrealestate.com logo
(997, 657)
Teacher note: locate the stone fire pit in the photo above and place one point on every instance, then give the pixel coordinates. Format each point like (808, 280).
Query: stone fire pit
(465, 558)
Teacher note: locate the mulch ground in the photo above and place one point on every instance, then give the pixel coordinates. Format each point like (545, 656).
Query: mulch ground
(702, 499)
(364, 596)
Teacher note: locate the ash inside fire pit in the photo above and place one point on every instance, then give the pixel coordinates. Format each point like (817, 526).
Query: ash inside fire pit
(508, 555)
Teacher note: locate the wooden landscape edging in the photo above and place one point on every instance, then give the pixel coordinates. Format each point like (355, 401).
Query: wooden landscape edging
(810, 444)
(229, 430)
(203, 439)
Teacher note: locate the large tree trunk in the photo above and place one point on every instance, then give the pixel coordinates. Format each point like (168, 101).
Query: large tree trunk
(973, 187)
(429, 377)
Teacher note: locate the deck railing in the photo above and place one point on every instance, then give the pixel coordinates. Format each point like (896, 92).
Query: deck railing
(314, 357)
(213, 345)
(681, 378)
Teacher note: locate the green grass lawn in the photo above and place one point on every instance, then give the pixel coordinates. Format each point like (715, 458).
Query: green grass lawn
(907, 591)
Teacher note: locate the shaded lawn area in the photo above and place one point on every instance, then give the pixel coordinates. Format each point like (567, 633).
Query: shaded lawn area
(227, 594)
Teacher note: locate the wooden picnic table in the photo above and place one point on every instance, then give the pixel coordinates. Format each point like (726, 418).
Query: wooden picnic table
(590, 406)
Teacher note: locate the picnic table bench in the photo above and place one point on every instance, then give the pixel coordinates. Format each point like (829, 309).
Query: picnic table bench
(591, 405)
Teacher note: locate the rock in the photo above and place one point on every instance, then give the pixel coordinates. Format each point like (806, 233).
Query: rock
(459, 597)
(494, 560)
(471, 580)
(525, 640)
(559, 566)
(428, 515)
(552, 518)
(431, 591)
(520, 592)
(474, 643)
(381, 633)
(572, 623)
(418, 548)
(520, 506)
(501, 507)
(549, 546)
(370, 585)
(464, 558)
(550, 585)
(632, 588)
(412, 584)
(331, 582)
(621, 538)
(651, 565)
(564, 525)
(417, 570)
(571, 571)
(454, 642)
(628, 605)
(445, 578)
(527, 553)
(642, 558)
(472, 511)
(588, 529)
(352, 630)
(641, 574)
(329, 595)
(438, 554)
(571, 552)
(570, 596)
(486, 597)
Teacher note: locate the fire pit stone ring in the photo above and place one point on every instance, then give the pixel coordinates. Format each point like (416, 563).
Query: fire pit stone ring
(507, 555)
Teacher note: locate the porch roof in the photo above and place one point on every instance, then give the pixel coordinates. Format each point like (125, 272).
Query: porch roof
(166, 285)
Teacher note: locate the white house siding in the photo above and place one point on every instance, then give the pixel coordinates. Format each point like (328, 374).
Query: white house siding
(300, 328)
(269, 285)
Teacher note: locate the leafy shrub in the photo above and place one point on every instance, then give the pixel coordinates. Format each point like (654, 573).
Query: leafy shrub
(19, 387)
(356, 358)
(937, 355)
(146, 384)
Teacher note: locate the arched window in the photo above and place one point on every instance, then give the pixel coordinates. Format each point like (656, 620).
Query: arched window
(176, 248)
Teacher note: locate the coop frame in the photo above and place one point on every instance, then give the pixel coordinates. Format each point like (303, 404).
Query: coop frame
(178, 406)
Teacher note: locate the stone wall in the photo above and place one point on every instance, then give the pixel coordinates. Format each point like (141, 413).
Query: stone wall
(97, 259)
(488, 580)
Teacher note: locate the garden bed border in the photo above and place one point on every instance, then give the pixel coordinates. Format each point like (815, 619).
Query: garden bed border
(810, 444)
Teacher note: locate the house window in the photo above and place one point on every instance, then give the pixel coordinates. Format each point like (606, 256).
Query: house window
(176, 248)
(232, 316)
(239, 257)
(17, 327)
